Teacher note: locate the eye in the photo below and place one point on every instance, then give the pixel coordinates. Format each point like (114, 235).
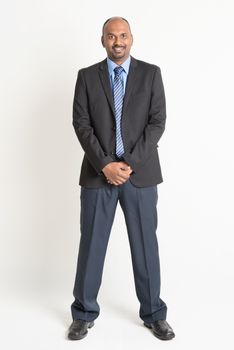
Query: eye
(124, 35)
(110, 36)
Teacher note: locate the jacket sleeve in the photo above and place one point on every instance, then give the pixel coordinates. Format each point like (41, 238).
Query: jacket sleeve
(155, 127)
(84, 129)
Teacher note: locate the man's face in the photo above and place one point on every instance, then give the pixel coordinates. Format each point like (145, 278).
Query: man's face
(117, 40)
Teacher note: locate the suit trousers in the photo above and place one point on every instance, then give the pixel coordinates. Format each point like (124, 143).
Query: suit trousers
(98, 206)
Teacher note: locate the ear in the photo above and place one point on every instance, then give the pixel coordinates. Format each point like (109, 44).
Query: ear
(102, 40)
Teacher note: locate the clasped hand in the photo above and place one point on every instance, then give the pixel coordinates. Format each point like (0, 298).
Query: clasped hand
(117, 173)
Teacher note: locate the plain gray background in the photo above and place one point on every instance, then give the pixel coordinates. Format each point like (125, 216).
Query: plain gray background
(43, 44)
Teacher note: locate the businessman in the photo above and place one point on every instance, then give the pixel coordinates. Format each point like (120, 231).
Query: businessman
(119, 116)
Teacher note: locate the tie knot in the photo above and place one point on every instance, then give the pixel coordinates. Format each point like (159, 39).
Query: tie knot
(118, 70)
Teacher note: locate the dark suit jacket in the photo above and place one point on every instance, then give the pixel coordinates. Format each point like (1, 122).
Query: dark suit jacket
(143, 122)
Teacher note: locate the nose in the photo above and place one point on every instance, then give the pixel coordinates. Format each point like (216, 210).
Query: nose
(117, 40)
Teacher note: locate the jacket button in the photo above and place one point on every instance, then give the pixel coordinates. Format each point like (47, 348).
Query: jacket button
(114, 128)
(112, 152)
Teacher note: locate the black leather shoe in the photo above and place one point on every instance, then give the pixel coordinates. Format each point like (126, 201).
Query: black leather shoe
(161, 329)
(79, 329)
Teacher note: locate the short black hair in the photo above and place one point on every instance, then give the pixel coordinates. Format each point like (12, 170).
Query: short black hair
(109, 19)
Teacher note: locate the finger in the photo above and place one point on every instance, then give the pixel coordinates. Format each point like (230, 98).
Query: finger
(124, 174)
(119, 181)
(123, 177)
(126, 169)
(115, 183)
(112, 181)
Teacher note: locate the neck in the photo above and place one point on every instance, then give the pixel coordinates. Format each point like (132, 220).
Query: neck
(120, 61)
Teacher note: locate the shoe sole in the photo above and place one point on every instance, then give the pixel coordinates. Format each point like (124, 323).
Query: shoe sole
(81, 336)
(161, 337)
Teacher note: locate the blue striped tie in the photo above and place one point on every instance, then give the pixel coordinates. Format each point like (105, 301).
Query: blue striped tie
(118, 103)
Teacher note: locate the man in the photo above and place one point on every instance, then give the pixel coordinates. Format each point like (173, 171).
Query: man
(119, 116)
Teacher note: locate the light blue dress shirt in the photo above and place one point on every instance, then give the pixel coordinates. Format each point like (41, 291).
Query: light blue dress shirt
(124, 75)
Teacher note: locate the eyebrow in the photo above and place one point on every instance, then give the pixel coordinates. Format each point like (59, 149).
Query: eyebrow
(114, 34)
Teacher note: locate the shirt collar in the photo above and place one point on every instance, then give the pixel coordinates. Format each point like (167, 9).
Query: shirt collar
(112, 65)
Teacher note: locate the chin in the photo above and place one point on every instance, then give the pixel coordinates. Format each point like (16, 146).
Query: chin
(118, 57)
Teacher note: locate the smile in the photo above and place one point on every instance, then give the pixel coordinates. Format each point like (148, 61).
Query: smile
(118, 49)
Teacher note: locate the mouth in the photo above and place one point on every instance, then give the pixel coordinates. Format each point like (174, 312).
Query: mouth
(118, 49)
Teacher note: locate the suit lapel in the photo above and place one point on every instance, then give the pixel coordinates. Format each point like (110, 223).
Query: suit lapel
(104, 76)
(130, 83)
